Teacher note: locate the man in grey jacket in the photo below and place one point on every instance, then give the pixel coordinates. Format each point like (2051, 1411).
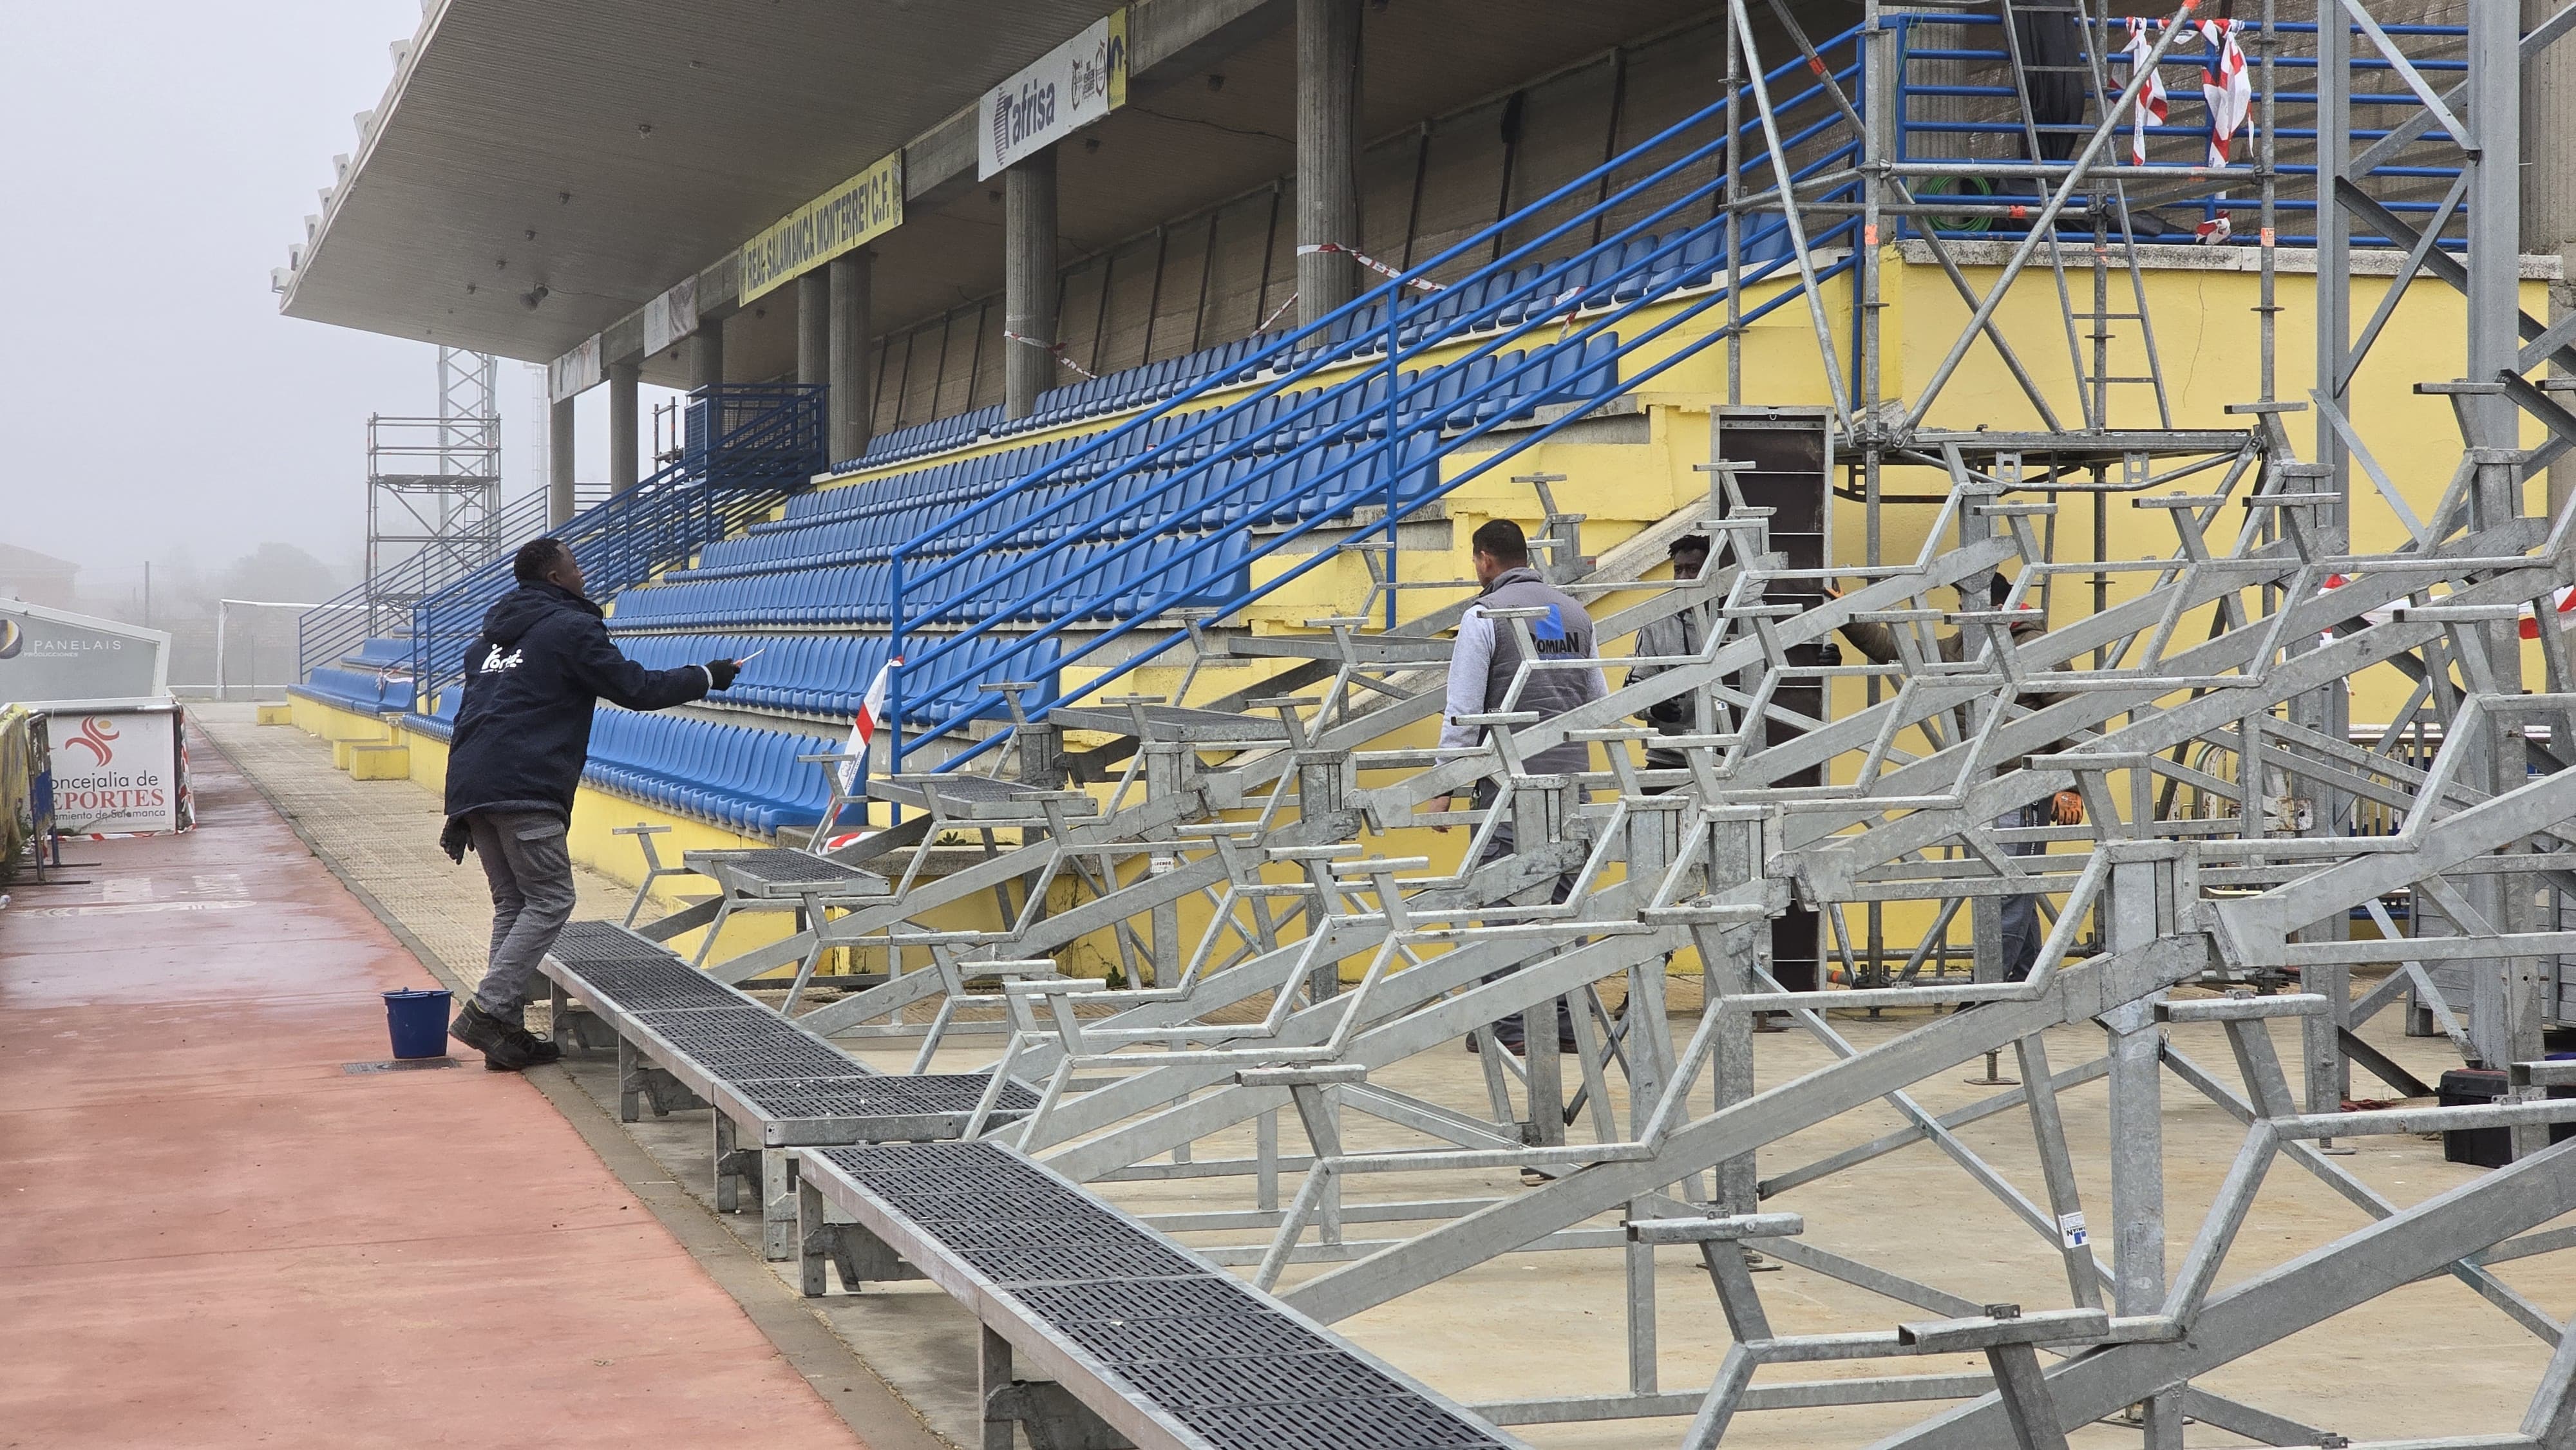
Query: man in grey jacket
(1671, 637)
(1482, 668)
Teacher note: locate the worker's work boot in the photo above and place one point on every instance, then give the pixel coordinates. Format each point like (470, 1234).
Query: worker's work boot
(506, 1046)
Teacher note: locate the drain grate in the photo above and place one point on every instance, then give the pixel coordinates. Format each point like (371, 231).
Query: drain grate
(1270, 1380)
(1381, 1424)
(1130, 1258)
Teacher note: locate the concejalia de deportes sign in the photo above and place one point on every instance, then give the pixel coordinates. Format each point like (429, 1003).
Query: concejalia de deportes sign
(1068, 88)
(118, 772)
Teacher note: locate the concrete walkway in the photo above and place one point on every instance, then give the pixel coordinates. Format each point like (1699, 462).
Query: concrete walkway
(212, 1234)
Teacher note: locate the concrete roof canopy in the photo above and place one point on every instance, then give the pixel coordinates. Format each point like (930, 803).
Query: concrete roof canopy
(606, 149)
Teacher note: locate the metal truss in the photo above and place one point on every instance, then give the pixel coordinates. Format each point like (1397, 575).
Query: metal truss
(433, 490)
(1276, 956)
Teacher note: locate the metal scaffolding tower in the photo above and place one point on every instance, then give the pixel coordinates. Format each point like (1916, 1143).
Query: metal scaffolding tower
(433, 490)
(2163, 768)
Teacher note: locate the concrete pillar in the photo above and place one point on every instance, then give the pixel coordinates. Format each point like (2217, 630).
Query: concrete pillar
(1028, 281)
(559, 449)
(706, 353)
(813, 326)
(1328, 190)
(623, 470)
(850, 418)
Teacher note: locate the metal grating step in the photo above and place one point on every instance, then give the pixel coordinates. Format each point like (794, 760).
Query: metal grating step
(1210, 1296)
(876, 1095)
(651, 1001)
(864, 1161)
(1129, 1341)
(1125, 1259)
(735, 1028)
(968, 1235)
(1382, 1424)
(781, 867)
(945, 1182)
(603, 940)
(998, 1204)
(618, 978)
(801, 1058)
(1267, 1380)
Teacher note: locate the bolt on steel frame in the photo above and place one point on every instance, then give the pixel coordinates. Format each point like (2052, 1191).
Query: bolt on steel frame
(2235, 819)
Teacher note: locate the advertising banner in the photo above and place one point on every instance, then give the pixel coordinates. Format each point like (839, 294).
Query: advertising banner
(671, 316)
(858, 210)
(118, 772)
(51, 655)
(576, 372)
(1070, 87)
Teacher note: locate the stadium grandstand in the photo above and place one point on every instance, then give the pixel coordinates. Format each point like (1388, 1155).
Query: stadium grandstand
(2123, 440)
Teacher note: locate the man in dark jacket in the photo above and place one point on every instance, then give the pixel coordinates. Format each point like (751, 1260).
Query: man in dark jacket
(522, 736)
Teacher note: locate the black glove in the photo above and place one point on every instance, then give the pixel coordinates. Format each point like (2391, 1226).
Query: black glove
(455, 840)
(720, 673)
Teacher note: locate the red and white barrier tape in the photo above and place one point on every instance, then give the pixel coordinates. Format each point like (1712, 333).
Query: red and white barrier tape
(1423, 284)
(1275, 316)
(1052, 349)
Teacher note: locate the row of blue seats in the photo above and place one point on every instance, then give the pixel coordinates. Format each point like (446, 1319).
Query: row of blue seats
(1610, 279)
(738, 776)
(382, 653)
(364, 690)
(812, 674)
(1055, 587)
(1323, 482)
(879, 522)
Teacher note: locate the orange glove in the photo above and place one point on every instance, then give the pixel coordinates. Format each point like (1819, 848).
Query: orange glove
(2068, 808)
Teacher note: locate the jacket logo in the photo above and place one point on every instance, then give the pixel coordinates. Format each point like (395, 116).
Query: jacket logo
(1550, 628)
(496, 661)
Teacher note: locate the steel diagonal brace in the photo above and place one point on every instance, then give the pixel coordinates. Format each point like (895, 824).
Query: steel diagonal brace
(1411, 1017)
(2075, 994)
(2276, 1304)
(1811, 627)
(1831, 866)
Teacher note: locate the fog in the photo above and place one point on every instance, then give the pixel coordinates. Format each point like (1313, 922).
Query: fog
(160, 158)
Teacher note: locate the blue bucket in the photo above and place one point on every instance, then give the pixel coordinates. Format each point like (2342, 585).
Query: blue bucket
(416, 1018)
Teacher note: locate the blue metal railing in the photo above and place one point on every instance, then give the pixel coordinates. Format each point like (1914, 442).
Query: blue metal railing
(1584, 298)
(1990, 210)
(749, 447)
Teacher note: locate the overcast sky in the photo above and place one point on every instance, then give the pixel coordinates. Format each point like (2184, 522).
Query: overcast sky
(160, 157)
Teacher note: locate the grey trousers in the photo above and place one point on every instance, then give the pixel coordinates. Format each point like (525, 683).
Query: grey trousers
(525, 860)
(1502, 843)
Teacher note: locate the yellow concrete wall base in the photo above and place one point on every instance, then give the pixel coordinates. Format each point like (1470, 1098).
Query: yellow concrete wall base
(276, 714)
(379, 762)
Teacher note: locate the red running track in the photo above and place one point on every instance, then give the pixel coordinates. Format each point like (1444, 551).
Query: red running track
(210, 1235)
